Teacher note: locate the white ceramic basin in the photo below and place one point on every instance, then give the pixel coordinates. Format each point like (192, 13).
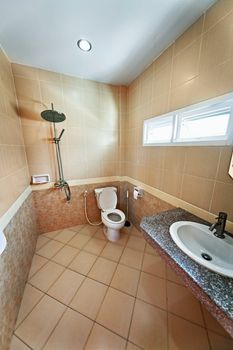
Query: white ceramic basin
(2, 242)
(196, 240)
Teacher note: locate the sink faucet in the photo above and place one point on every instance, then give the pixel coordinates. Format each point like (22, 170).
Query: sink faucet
(219, 225)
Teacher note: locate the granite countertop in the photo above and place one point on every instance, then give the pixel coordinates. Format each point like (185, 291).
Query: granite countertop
(217, 287)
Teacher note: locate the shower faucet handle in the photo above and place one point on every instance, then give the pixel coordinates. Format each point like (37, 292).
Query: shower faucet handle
(59, 137)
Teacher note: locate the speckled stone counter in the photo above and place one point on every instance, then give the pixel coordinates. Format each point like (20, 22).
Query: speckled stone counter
(213, 290)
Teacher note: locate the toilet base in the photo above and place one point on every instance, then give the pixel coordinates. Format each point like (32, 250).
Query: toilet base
(111, 234)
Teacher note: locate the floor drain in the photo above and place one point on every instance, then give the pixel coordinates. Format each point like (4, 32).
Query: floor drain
(206, 256)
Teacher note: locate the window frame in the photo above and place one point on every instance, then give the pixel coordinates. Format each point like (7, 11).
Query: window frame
(224, 101)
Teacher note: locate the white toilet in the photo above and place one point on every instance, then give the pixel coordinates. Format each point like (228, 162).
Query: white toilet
(112, 218)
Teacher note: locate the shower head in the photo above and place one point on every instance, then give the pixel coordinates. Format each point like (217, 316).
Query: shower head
(53, 116)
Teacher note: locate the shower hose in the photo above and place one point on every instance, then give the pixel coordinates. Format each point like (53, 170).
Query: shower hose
(85, 209)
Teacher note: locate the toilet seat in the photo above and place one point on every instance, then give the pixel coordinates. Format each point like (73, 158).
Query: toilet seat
(108, 199)
(118, 213)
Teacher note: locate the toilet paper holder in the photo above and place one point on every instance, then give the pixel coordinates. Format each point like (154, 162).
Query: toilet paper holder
(137, 192)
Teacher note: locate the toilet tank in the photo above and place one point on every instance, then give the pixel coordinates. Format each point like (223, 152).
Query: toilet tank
(99, 190)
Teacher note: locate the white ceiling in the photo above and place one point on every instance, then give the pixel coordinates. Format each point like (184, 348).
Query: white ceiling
(126, 34)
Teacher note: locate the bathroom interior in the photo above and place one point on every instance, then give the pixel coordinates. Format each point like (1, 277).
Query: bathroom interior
(116, 175)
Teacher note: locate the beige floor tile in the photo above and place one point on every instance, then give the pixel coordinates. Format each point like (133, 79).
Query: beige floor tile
(65, 255)
(50, 249)
(136, 243)
(51, 234)
(46, 276)
(112, 308)
(41, 241)
(112, 251)
(127, 230)
(136, 232)
(65, 236)
(132, 258)
(185, 335)
(219, 342)
(89, 298)
(123, 238)
(150, 250)
(71, 332)
(100, 234)
(154, 264)
(95, 246)
(89, 230)
(182, 303)
(126, 279)
(83, 262)
(152, 289)
(76, 228)
(17, 344)
(131, 346)
(103, 270)
(212, 324)
(79, 240)
(149, 327)
(173, 277)
(38, 325)
(37, 262)
(102, 339)
(116, 311)
(66, 286)
(31, 297)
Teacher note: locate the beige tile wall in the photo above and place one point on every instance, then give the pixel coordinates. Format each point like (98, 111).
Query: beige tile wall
(13, 164)
(90, 144)
(197, 66)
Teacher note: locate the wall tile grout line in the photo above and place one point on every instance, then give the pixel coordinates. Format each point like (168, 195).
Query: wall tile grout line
(215, 180)
(216, 23)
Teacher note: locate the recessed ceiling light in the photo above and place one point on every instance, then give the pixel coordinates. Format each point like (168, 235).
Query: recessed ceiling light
(84, 45)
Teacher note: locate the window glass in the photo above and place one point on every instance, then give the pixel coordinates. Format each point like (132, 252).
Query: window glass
(159, 130)
(209, 123)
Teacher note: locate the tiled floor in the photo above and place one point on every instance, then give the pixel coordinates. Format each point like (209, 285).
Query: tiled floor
(84, 292)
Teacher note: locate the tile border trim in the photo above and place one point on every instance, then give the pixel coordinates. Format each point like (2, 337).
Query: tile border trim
(92, 180)
(8, 215)
(177, 202)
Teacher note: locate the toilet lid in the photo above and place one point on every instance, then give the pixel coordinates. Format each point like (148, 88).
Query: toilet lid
(108, 199)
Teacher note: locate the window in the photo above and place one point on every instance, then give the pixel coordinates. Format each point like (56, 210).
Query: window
(207, 123)
(159, 129)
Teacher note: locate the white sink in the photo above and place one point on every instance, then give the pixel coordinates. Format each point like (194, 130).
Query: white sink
(196, 240)
(2, 242)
